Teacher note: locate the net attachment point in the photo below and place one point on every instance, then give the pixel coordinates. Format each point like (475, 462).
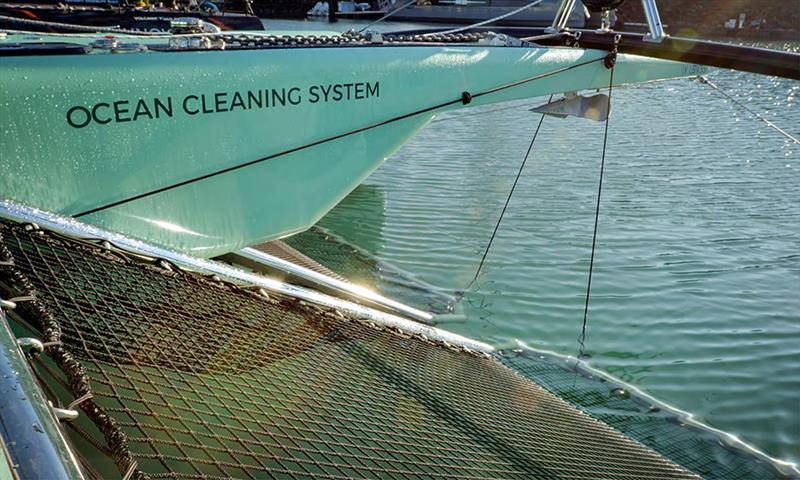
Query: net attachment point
(65, 414)
(30, 345)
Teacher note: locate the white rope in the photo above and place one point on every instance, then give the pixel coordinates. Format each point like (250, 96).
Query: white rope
(486, 22)
(733, 99)
(131, 470)
(79, 400)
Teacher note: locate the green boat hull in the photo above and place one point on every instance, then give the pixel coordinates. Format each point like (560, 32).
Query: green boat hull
(81, 132)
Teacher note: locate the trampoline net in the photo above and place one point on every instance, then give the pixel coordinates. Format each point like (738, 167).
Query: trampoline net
(692, 446)
(186, 376)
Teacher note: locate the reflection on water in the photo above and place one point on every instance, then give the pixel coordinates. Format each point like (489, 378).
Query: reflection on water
(350, 244)
(694, 293)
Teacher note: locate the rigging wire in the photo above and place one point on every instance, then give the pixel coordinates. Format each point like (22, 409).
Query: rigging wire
(464, 98)
(486, 22)
(407, 4)
(508, 200)
(733, 99)
(582, 337)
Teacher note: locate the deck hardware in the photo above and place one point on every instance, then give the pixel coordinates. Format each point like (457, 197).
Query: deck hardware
(576, 41)
(105, 43)
(30, 226)
(565, 9)
(494, 40)
(197, 43)
(466, 98)
(605, 22)
(7, 304)
(64, 414)
(610, 60)
(374, 37)
(6, 263)
(106, 245)
(263, 293)
(164, 264)
(30, 344)
(656, 34)
(128, 48)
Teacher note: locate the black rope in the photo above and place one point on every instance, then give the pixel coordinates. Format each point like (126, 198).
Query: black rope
(464, 98)
(582, 337)
(508, 200)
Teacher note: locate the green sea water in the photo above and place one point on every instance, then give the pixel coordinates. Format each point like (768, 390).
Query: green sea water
(696, 288)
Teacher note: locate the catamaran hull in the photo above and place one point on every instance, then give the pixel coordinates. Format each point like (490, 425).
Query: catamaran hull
(81, 132)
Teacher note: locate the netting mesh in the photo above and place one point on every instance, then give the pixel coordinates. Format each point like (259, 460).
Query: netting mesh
(194, 378)
(695, 448)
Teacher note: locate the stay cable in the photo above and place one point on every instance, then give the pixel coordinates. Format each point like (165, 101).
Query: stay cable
(582, 337)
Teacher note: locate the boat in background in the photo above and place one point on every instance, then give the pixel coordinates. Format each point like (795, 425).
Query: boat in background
(70, 17)
(474, 11)
(296, 9)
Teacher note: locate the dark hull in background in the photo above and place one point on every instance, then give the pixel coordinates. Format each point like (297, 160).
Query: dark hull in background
(140, 20)
(538, 16)
(282, 8)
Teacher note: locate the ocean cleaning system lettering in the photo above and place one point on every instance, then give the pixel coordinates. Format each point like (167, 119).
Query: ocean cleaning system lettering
(120, 111)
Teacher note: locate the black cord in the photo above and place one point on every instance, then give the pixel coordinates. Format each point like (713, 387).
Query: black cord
(582, 337)
(508, 200)
(464, 98)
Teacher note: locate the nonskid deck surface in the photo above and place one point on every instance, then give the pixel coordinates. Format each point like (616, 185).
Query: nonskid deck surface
(201, 378)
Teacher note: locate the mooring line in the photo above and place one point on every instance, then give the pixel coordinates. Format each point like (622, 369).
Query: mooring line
(582, 337)
(741, 105)
(508, 201)
(464, 98)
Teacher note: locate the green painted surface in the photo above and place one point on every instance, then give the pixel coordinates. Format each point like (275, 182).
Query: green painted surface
(151, 138)
(5, 468)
